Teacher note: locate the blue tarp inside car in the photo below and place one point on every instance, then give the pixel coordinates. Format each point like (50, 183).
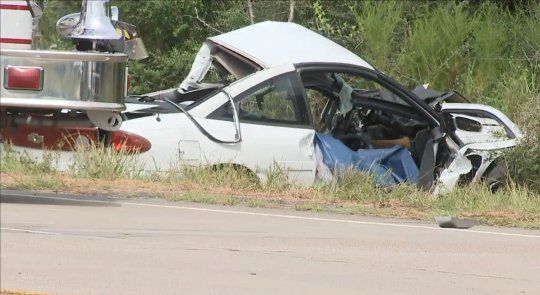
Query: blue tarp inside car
(389, 166)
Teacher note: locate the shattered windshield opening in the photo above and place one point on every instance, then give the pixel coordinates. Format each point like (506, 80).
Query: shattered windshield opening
(214, 66)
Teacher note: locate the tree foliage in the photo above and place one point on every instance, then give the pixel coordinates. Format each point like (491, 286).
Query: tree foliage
(470, 45)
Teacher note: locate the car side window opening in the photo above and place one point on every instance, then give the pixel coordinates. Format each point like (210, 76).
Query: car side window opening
(274, 102)
(356, 114)
(359, 111)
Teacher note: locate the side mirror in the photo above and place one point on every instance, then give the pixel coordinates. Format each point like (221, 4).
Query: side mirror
(114, 13)
(67, 23)
(135, 49)
(133, 43)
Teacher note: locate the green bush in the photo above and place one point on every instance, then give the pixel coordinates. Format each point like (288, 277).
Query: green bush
(523, 162)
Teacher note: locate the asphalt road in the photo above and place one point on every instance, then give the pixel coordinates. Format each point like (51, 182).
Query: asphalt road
(155, 247)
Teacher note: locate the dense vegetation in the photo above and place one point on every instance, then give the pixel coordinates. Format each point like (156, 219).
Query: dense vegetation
(487, 50)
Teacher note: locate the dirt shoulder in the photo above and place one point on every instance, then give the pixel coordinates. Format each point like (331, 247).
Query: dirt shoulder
(403, 202)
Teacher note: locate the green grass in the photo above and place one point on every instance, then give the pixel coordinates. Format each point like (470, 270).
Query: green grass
(350, 192)
(98, 161)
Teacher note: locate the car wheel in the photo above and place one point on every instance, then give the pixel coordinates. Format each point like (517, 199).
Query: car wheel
(495, 177)
(246, 173)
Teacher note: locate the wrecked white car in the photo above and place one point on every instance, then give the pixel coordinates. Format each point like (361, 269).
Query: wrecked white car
(279, 94)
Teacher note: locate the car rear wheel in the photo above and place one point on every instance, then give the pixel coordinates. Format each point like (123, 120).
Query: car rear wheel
(495, 177)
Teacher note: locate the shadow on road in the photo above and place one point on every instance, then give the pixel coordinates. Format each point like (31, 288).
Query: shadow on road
(24, 197)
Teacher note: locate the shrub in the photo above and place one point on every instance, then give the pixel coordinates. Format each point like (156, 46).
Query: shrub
(523, 161)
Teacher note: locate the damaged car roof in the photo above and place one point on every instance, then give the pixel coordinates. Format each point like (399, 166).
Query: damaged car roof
(271, 44)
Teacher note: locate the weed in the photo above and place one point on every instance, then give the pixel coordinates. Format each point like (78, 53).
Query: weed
(99, 161)
(276, 179)
(25, 162)
(226, 176)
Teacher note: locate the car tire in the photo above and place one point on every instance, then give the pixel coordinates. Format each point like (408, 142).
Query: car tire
(495, 177)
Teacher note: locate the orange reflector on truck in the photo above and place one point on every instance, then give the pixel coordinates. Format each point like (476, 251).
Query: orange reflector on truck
(129, 142)
(23, 78)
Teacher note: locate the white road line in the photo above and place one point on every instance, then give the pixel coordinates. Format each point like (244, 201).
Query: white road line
(238, 212)
(333, 220)
(29, 231)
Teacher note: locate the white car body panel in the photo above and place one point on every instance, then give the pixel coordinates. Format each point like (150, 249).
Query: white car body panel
(490, 131)
(450, 176)
(492, 137)
(487, 144)
(175, 140)
(271, 44)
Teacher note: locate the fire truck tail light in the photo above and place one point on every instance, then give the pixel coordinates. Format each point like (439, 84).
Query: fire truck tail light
(129, 142)
(23, 78)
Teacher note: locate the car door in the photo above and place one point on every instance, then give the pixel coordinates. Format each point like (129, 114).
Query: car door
(374, 91)
(275, 126)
